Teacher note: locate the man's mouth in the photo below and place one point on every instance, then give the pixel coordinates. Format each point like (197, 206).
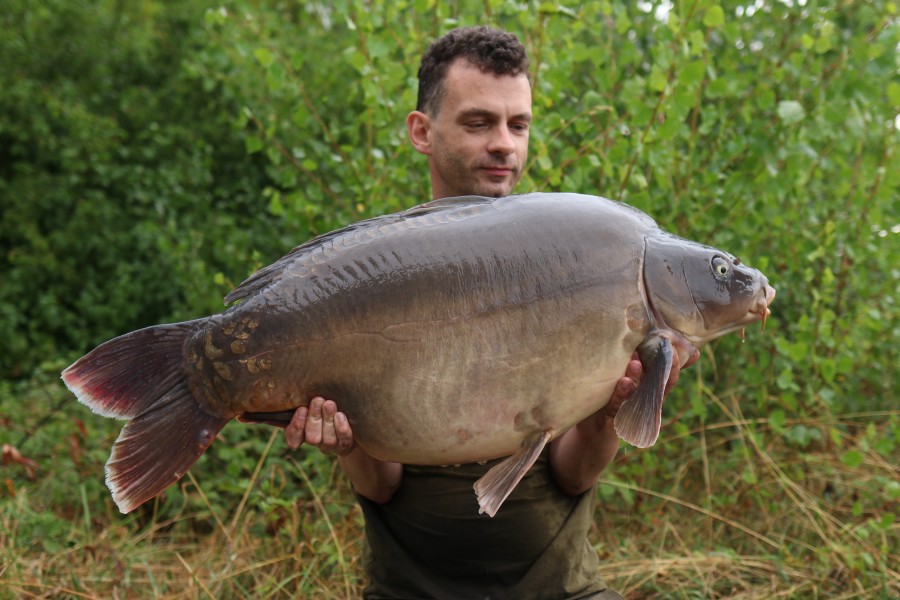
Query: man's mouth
(497, 171)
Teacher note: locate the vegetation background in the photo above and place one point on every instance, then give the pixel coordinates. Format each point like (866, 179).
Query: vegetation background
(153, 154)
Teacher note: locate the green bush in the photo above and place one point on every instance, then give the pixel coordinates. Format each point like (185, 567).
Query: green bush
(153, 154)
(123, 186)
(766, 131)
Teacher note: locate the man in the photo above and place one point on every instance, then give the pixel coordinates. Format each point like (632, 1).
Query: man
(425, 538)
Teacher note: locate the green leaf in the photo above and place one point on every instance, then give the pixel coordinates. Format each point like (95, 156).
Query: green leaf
(358, 60)
(698, 406)
(892, 490)
(253, 144)
(275, 77)
(836, 437)
(749, 476)
(714, 17)
(276, 207)
(852, 458)
(828, 369)
(777, 419)
(893, 92)
(823, 44)
(623, 23)
(264, 56)
(697, 42)
(785, 379)
(693, 72)
(658, 79)
(790, 111)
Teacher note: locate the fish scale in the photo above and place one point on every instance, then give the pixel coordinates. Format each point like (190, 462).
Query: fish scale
(461, 330)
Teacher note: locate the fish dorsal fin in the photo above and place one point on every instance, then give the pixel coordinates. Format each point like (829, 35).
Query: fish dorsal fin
(445, 203)
(498, 483)
(272, 273)
(638, 420)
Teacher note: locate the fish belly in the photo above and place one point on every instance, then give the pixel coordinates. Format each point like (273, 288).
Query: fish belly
(446, 343)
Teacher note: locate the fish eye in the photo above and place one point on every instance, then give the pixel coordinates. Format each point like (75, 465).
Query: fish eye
(720, 266)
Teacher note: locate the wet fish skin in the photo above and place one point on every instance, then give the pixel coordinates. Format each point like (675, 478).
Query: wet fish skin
(461, 330)
(452, 315)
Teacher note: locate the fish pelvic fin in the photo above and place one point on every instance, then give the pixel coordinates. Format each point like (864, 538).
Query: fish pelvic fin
(498, 483)
(638, 420)
(139, 377)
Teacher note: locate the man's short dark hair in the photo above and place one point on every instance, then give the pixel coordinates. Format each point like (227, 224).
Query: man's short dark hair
(491, 50)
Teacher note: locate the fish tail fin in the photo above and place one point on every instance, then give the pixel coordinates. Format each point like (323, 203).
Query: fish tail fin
(124, 377)
(138, 376)
(156, 449)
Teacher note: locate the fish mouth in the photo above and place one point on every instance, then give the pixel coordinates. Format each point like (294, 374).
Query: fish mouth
(761, 310)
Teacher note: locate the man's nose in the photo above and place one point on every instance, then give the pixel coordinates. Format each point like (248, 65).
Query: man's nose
(501, 141)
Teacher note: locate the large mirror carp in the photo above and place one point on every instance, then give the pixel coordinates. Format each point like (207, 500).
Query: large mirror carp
(457, 331)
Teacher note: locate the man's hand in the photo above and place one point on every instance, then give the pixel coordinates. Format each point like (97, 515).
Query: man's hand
(320, 425)
(629, 382)
(579, 455)
(323, 426)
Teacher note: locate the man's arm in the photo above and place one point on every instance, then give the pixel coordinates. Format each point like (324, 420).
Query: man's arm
(578, 456)
(322, 426)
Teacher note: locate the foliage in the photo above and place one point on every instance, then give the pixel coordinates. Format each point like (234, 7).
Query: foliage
(123, 185)
(152, 154)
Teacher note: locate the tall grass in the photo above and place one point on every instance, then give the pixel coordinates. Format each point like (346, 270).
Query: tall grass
(735, 508)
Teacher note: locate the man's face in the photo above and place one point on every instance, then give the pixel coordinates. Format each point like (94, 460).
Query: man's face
(479, 138)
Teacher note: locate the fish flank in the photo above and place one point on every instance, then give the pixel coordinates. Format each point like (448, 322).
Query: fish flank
(538, 303)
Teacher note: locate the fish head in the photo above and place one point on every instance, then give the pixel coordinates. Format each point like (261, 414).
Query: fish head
(699, 291)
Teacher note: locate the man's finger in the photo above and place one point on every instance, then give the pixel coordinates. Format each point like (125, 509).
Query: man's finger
(623, 390)
(329, 438)
(314, 422)
(635, 369)
(294, 433)
(344, 435)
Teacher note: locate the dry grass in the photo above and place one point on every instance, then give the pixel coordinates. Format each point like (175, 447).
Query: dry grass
(800, 525)
(738, 514)
(302, 555)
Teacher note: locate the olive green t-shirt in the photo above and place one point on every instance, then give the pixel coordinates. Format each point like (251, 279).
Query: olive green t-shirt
(430, 542)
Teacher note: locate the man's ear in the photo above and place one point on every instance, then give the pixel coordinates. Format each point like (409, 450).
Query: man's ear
(418, 126)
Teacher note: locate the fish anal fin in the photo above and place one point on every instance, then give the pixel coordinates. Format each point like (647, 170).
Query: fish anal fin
(157, 448)
(498, 483)
(639, 419)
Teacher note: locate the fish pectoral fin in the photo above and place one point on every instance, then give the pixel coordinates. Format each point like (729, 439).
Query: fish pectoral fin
(638, 420)
(498, 483)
